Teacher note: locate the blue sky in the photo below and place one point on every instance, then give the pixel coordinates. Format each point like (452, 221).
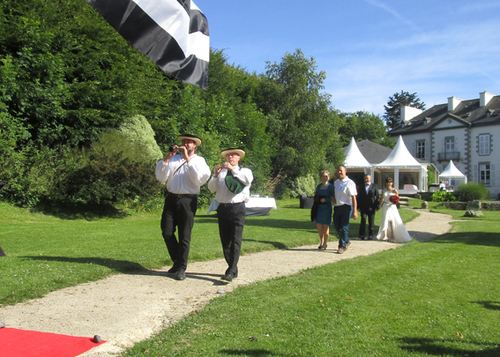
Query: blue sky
(369, 49)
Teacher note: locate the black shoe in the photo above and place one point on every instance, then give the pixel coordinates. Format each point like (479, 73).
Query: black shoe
(229, 277)
(181, 275)
(362, 237)
(173, 270)
(370, 238)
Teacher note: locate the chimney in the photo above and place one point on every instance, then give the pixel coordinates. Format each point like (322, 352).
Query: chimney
(408, 113)
(484, 98)
(453, 102)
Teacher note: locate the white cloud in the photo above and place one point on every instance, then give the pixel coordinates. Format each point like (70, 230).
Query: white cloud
(393, 12)
(459, 60)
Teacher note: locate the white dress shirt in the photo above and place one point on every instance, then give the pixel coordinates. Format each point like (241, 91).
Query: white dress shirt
(344, 190)
(183, 177)
(223, 195)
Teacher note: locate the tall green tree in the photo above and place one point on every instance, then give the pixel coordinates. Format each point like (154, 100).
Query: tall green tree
(362, 125)
(302, 122)
(392, 114)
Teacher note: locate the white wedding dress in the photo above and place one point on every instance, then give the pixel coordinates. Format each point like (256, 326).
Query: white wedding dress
(390, 213)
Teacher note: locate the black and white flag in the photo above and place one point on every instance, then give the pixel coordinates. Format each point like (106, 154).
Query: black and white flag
(172, 33)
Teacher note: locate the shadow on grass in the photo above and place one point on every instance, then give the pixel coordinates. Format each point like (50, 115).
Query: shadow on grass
(491, 305)
(470, 238)
(256, 353)
(436, 347)
(277, 245)
(122, 266)
(263, 222)
(280, 223)
(79, 211)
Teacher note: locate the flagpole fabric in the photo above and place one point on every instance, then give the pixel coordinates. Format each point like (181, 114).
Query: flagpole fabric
(172, 33)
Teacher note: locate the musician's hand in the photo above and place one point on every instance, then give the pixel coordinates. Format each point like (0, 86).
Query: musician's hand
(170, 154)
(228, 166)
(217, 170)
(184, 152)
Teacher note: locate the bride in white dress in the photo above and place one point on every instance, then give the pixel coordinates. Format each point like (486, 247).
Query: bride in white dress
(392, 227)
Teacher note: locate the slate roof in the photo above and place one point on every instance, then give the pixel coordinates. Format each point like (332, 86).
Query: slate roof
(467, 112)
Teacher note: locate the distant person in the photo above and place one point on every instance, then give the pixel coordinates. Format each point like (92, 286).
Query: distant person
(368, 203)
(323, 198)
(345, 207)
(232, 186)
(442, 186)
(184, 174)
(392, 228)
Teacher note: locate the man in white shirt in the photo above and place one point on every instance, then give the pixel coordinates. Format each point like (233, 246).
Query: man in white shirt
(232, 186)
(345, 207)
(184, 174)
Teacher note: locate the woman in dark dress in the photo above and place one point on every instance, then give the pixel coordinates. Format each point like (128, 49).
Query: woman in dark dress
(324, 193)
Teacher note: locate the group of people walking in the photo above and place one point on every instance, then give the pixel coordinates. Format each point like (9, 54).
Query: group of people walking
(184, 173)
(345, 200)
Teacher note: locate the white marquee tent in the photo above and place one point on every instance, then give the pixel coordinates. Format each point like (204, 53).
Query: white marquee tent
(408, 174)
(354, 158)
(452, 173)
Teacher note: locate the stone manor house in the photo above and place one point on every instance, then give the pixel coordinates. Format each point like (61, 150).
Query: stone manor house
(464, 131)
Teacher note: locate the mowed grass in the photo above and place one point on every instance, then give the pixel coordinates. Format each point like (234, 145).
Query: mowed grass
(439, 298)
(46, 253)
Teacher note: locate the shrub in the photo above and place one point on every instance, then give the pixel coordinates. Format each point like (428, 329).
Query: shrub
(135, 139)
(472, 191)
(106, 179)
(30, 174)
(443, 196)
(303, 185)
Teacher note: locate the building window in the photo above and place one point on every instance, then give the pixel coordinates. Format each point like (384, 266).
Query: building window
(449, 144)
(484, 144)
(420, 149)
(484, 173)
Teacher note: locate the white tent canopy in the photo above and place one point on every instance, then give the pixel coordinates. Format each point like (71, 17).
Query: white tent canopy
(452, 173)
(401, 159)
(354, 158)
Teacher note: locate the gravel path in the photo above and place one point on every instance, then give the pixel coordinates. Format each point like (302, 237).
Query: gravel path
(127, 308)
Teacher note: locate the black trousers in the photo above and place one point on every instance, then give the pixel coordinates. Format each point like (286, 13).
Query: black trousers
(231, 218)
(179, 211)
(371, 223)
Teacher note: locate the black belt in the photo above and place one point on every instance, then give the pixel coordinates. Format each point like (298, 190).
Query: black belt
(231, 204)
(182, 195)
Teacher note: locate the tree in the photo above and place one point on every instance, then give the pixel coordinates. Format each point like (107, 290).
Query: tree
(392, 114)
(301, 120)
(363, 125)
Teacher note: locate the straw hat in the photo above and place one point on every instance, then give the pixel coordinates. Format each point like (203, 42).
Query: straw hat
(196, 139)
(230, 150)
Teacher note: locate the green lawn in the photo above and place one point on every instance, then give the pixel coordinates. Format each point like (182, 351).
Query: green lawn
(439, 298)
(46, 253)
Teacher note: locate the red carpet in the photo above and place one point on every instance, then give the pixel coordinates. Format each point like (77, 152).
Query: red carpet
(23, 343)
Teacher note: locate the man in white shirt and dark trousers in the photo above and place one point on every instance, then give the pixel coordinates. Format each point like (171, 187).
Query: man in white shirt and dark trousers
(345, 207)
(232, 186)
(184, 175)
